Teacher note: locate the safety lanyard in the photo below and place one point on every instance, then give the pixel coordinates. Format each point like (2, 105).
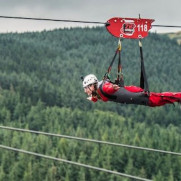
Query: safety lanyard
(119, 81)
(143, 78)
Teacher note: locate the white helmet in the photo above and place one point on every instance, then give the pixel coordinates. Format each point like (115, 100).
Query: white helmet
(89, 79)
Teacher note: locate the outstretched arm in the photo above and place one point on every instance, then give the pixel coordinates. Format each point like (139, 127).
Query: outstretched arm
(93, 99)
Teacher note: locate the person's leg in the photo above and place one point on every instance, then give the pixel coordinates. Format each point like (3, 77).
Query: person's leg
(160, 99)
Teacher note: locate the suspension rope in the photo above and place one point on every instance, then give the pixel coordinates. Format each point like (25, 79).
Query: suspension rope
(120, 79)
(92, 140)
(167, 26)
(77, 21)
(73, 163)
(143, 77)
(47, 19)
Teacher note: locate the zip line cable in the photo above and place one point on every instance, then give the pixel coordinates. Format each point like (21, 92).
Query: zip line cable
(47, 19)
(71, 162)
(76, 21)
(92, 140)
(167, 26)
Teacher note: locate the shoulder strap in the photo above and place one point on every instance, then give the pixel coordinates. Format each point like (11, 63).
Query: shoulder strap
(143, 78)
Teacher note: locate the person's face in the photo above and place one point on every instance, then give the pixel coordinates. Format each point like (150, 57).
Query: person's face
(89, 89)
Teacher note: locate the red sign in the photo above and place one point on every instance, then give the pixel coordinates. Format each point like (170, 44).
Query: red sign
(129, 27)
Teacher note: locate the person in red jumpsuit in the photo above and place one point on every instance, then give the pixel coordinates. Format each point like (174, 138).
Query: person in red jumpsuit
(107, 91)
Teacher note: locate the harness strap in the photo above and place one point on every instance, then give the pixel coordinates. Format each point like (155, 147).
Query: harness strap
(107, 76)
(119, 81)
(143, 78)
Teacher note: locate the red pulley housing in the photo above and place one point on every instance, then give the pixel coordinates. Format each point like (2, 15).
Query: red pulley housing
(133, 28)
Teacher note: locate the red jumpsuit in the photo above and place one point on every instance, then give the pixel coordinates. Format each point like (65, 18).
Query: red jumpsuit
(154, 99)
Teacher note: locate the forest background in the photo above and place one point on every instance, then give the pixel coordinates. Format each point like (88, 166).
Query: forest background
(41, 90)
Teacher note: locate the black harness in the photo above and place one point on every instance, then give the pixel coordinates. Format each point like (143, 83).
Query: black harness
(126, 97)
(120, 80)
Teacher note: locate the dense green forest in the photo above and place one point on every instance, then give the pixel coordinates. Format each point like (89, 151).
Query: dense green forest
(41, 89)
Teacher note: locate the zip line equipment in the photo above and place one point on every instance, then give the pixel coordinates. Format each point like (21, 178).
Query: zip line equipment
(132, 28)
(90, 140)
(48, 19)
(73, 163)
(75, 21)
(77, 163)
(129, 28)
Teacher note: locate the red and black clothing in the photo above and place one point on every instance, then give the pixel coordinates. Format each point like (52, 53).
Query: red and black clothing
(134, 95)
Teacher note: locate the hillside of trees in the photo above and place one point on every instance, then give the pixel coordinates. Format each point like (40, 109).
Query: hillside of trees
(41, 89)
